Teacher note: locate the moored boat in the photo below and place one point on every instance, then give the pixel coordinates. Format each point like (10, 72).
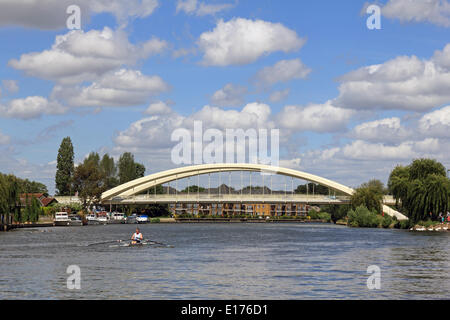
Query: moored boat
(131, 219)
(92, 219)
(142, 218)
(117, 218)
(61, 219)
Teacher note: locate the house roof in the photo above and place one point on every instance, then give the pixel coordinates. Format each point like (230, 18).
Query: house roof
(43, 200)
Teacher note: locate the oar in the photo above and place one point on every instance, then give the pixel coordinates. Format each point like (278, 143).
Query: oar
(162, 244)
(105, 242)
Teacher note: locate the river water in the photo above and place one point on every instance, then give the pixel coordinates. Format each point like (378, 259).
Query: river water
(225, 261)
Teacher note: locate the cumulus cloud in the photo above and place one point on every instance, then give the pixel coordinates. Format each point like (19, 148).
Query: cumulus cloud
(243, 41)
(432, 11)
(405, 83)
(253, 115)
(282, 71)
(120, 88)
(201, 8)
(229, 96)
(158, 108)
(31, 108)
(384, 130)
(52, 14)
(436, 123)
(314, 117)
(83, 56)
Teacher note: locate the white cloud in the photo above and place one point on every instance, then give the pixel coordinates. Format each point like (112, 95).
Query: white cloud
(432, 11)
(405, 83)
(52, 14)
(253, 115)
(31, 108)
(362, 150)
(282, 71)
(10, 86)
(242, 41)
(436, 123)
(315, 117)
(158, 108)
(442, 58)
(201, 8)
(82, 56)
(229, 96)
(120, 88)
(144, 135)
(279, 96)
(384, 130)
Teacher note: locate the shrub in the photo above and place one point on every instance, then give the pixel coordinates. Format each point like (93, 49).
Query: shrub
(387, 221)
(325, 216)
(364, 218)
(313, 214)
(155, 220)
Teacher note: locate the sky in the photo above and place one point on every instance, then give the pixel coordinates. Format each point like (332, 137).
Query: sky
(350, 102)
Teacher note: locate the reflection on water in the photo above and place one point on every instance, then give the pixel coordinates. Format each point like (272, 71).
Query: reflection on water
(225, 261)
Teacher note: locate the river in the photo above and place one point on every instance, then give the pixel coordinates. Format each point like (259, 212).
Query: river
(225, 261)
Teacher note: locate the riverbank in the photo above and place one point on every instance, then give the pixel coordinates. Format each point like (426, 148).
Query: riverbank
(42, 223)
(439, 227)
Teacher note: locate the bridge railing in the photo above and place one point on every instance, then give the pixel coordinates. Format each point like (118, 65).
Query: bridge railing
(194, 197)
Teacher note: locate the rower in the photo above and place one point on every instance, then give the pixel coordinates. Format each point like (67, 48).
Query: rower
(137, 237)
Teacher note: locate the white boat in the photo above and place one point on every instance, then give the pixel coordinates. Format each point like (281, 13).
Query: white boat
(117, 217)
(132, 219)
(92, 219)
(142, 218)
(61, 219)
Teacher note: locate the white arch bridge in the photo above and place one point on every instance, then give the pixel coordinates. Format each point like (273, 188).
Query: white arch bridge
(134, 192)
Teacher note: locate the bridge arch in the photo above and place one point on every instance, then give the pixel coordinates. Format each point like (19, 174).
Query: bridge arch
(140, 185)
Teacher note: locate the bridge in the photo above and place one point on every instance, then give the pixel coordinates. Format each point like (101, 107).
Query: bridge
(143, 190)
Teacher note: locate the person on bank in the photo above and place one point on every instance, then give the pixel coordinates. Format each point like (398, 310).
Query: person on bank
(137, 237)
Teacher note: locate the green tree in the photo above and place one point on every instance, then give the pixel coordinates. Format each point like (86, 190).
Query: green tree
(128, 169)
(398, 183)
(369, 197)
(337, 212)
(193, 189)
(422, 187)
(88, 181)
(109, 172)
(376, 185)
(312, 188)
(422, 168)
(65, 168)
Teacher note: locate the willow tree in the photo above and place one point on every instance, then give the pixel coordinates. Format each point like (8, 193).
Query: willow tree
(422, 187)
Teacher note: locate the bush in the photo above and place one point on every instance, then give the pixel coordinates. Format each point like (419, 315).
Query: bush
(314, 215)
(387, 221)
(362, 217)
(155, 220)
(325, 216)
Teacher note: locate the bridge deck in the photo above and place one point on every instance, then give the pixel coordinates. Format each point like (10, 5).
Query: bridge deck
(233, 198)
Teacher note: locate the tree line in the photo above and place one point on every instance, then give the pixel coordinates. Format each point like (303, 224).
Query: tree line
(421, 190)
(11, 187)
(94, 175)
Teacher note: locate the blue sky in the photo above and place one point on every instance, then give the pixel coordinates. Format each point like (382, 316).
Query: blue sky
(354, 131)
